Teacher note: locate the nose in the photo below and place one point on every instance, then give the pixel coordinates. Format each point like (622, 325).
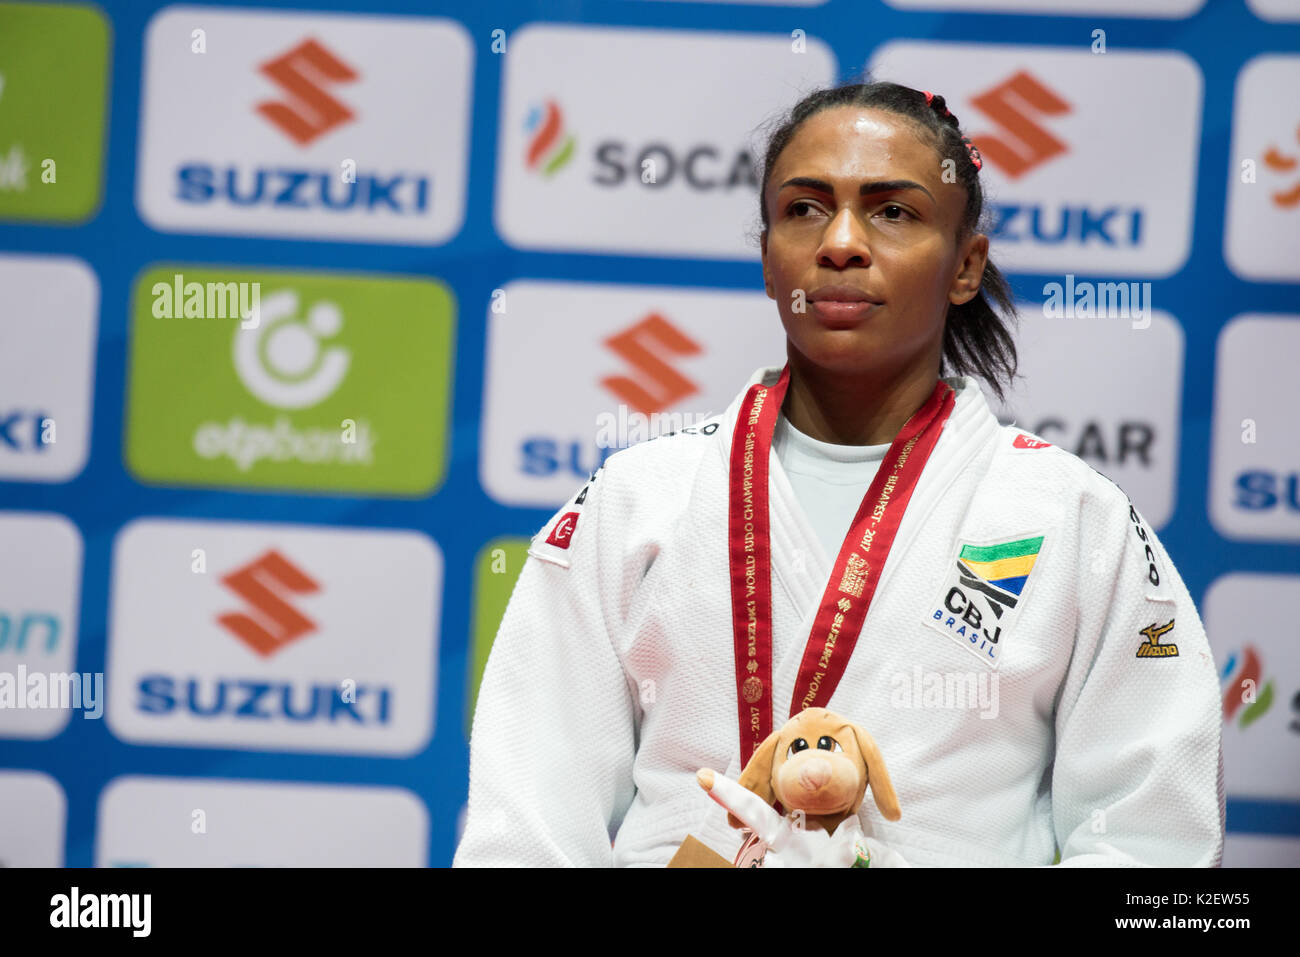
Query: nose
(814, 774)
(844, 243)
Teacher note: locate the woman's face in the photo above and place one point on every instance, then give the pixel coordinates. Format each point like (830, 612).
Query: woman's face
(857, 201)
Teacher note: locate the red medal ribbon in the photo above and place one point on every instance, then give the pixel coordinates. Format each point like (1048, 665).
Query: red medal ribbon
(854, 576)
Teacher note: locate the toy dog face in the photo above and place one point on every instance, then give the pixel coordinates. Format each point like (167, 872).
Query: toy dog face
(820, 764)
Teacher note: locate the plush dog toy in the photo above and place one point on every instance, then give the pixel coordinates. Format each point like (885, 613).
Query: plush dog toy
(818, 766)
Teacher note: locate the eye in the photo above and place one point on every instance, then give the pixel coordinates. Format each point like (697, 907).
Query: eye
(827, 743)
(799, 744)
(797, 204)
(900, 212)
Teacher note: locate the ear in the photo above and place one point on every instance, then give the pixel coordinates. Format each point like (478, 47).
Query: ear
(757, 775)
(970, 272)
(877, 775)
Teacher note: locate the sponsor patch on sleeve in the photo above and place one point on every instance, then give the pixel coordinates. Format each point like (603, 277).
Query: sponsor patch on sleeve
(1155, 581)
(553, 542)
(1023, 441)
(983, 592)
(562, 531)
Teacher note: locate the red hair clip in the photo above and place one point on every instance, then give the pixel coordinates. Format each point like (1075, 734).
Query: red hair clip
(929, 101)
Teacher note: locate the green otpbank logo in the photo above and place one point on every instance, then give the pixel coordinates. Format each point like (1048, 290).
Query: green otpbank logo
(283, 380)
(53, 86)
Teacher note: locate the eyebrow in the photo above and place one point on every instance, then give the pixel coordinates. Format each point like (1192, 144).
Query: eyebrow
(866, 189)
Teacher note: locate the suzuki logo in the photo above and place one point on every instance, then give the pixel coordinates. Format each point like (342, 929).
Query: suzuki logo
(25, 430)
(262, 584)
(659, 384)
(1284, 164)
(1011, 104)
(303, 73)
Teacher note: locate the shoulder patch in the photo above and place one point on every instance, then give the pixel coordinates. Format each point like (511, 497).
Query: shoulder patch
(562, 531)
(552, 541)
(1025, 441)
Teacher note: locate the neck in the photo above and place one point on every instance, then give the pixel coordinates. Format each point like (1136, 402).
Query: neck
(853, 408)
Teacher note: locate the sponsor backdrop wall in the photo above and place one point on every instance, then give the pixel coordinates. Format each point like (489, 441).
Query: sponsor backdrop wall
(310, 319)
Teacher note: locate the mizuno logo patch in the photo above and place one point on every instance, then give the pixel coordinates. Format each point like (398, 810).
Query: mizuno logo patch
(1151, 647)
(983, 594)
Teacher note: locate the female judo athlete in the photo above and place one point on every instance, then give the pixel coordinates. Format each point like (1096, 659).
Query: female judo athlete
(857, 532)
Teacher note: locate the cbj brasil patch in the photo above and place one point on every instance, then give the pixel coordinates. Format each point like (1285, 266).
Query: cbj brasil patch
(552, 543)
(984, 592)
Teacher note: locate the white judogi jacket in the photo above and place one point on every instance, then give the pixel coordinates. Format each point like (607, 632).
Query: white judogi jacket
(612, 681)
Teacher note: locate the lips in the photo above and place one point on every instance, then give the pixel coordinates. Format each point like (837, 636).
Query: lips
(838, 314)
(841, 305)
(843, 294)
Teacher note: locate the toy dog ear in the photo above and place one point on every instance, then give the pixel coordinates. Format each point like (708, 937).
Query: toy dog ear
(877, 775)
(757, 775)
